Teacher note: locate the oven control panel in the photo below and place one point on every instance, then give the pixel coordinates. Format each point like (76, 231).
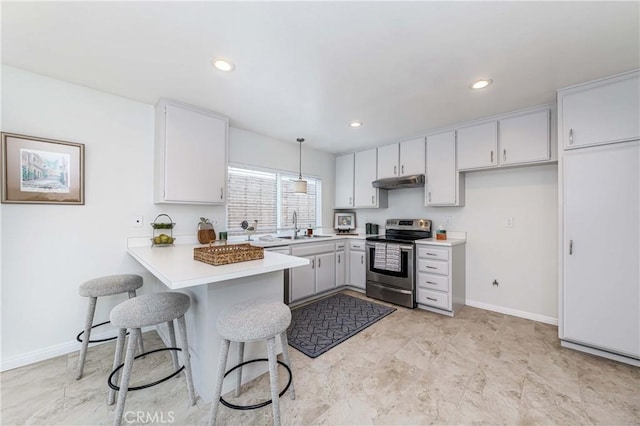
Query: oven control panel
(409, 224)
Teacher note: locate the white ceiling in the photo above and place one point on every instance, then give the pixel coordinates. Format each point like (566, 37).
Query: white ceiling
(305, 69)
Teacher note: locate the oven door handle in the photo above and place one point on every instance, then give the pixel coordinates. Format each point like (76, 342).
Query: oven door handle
(402, 247)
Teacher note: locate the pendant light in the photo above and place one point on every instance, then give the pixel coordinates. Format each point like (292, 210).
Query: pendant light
(300, 185)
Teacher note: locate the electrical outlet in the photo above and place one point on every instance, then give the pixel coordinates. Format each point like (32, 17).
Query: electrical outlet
(136, 221)
(508, 222)
(447, 221)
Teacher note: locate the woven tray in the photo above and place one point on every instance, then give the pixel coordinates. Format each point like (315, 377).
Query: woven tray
(223, 255)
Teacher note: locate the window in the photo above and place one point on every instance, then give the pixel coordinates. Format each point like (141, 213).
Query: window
(268, 197)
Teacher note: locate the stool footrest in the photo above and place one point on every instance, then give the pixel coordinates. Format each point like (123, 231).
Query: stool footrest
(157, 382)
(97, 340)
(261, 404)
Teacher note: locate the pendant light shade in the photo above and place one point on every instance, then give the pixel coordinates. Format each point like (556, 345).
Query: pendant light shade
(300, 185)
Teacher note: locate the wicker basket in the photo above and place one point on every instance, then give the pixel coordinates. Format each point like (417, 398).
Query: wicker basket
(223, 255)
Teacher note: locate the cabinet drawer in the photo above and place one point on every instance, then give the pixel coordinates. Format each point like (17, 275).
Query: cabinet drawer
(433, 266)
(310, 249)
(356, 245)
(434, 282)
(433, 253)
(433, 298)
(340, 245)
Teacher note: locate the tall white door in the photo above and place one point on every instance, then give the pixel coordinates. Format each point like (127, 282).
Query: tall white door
(601, 254)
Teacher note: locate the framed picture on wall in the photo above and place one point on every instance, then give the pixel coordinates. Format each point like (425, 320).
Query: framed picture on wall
(41, 171)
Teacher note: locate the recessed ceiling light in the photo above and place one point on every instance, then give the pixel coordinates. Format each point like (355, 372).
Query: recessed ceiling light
(355, 124)
(222, 64)
(481, 84)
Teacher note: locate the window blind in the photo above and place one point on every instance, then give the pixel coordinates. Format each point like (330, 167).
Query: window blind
(268, 197)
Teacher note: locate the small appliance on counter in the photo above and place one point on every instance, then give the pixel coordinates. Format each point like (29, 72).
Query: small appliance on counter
(345, 223)
(371, 228)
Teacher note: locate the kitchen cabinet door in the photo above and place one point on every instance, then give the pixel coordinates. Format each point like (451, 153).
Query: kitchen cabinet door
(477, 146)
(190, 155)
(365, 195)
(600, 297)
(524, 138)
(445, 185)
(388, 157)
(340, 268)
(357, 269)
(302, 280)
(600, 112)
(325, 272)
(344, 182)
(412, 157)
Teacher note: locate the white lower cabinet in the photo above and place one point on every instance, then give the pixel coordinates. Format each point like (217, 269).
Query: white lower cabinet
(440, 282)
(357, 264)
(316, 277)
(340, 265)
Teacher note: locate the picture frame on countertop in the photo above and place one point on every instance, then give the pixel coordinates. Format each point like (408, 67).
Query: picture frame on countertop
(41, 171)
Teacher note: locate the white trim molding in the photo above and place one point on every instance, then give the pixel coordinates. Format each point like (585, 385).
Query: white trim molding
(513, 312)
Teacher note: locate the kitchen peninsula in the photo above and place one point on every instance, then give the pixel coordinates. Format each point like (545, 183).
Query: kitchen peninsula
(212, 288)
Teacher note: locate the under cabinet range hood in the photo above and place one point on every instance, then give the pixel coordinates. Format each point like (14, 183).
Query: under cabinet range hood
(412, 181)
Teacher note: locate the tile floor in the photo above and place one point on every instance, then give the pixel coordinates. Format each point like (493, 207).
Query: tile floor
(412, 367)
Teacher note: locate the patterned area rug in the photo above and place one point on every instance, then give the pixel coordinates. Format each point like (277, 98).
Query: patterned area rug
(319, 326)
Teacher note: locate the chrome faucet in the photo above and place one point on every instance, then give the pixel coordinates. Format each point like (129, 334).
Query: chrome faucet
(295, 225)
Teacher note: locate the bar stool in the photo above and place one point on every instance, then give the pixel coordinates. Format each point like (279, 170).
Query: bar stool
(103, 286)
(248, 322)
(134, 314)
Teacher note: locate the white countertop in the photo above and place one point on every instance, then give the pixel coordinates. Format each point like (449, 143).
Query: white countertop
(449, 242)
(176, 268)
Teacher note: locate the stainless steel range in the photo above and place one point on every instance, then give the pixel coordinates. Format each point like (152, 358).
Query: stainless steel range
(391, 261)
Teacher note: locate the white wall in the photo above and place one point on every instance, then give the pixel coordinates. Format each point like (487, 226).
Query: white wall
(523, 259)
(48, 250)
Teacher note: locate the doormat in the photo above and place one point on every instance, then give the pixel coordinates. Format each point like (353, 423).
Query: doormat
(317, 327)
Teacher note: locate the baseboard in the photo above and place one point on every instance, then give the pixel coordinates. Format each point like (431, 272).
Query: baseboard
(53, 351)
(513, 312)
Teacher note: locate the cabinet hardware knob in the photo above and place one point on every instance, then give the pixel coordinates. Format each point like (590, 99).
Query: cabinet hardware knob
(431, 267)
(362, 259)
(402, 171)
(338, 258)
(570, 247)
(221, 193)
(429, 193)
(504, 155)
(373, 199)
(491, 156)
(313, 264)
(431, 282)
(350, 198)
(395, 168)
(319, 265)
(570, 136)
(431, 298)
(431, 254)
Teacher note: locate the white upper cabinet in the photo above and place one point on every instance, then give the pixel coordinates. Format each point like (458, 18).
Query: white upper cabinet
(412, 157)
(191, 148)
(605, 111)
(365, 195)
(516, 138)
(388, 158)
(445, 185)
(401, 159)
(477, 146)
(344, 182)
(524, 138)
